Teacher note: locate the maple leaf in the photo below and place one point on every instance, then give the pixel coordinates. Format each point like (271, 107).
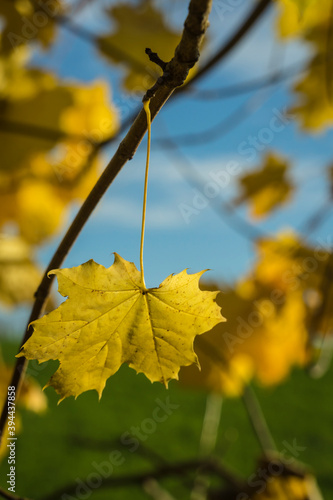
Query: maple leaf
(266, 187)
(109, 318)
(138, 26)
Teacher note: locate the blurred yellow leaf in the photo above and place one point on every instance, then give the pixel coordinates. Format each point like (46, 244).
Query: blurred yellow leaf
(41, 170)
(268, 319)
(289, 487)
(311, 21)
(217, 373)
(51, 111)
(298, 16)
(26, 21)
(288, 264)
(314, 91)
(138, 27)
(110, 319)
(19, 276)
(276, 338)
(266, 187)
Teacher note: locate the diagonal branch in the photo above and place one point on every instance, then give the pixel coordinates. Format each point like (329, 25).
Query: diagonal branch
(176, 71)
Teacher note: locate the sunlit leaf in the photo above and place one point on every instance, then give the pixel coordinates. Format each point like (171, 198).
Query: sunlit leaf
(267, 187)
(110, 319)
(48, 134)
(19, 275)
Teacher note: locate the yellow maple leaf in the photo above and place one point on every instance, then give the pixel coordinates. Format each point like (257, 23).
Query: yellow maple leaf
(19, 276)
(35, 208)
(138, 27)
(110, 319)
(266, 187)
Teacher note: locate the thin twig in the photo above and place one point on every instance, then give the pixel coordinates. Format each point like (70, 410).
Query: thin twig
(177, 469)
(317, 218)
(177, 71)
(210, 424)
(239, 88)
(258, 422)
(154, 489)
(208, 438)
(224, 209)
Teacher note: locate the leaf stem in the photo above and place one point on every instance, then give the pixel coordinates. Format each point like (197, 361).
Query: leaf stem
(144, 208)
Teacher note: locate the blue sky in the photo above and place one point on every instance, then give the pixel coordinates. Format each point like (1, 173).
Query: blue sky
(203, 240)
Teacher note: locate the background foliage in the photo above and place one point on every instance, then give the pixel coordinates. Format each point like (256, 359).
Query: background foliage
(251, 151)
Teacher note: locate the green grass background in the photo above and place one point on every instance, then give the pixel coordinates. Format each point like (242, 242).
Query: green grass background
(56, 448)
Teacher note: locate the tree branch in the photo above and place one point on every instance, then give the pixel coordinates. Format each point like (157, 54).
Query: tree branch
(258, 422)
(175, 73)
(178, 469)
(233, 41)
